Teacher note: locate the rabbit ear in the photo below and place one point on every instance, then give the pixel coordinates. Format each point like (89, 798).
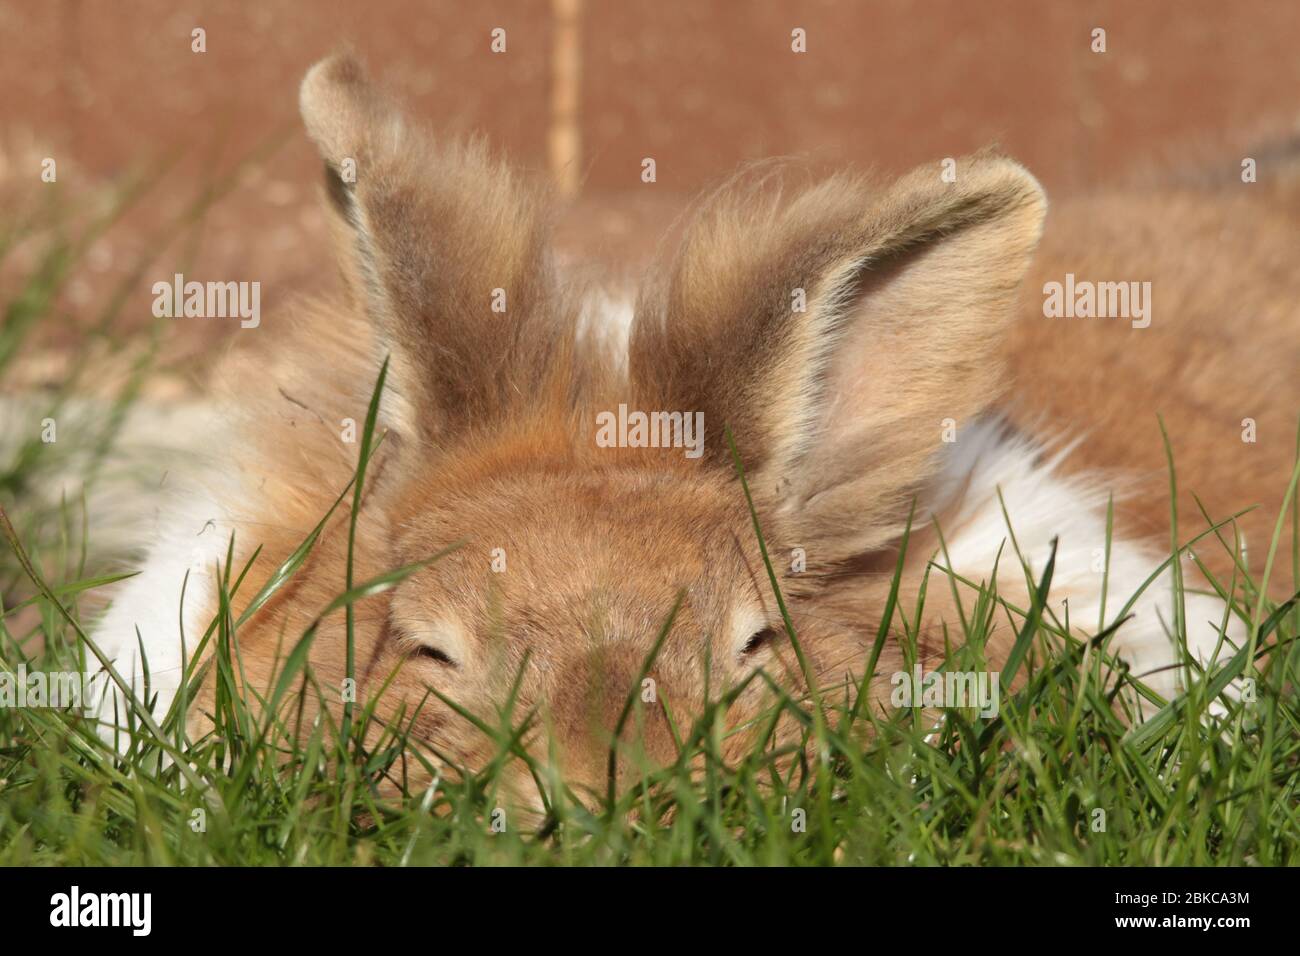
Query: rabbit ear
(449, 253)
(836, 331)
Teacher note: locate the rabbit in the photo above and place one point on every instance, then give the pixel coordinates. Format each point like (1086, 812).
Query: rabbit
(878, 355)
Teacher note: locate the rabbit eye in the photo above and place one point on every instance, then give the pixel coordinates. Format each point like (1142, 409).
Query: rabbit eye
(433, 654)
(440, 639)
(758, 640)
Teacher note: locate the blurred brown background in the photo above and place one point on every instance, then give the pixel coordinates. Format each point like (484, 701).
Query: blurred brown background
(109, 88)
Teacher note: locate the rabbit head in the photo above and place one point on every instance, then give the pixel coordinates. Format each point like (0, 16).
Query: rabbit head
(602, 547)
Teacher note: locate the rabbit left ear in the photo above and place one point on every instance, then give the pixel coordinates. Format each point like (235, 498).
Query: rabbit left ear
(450, 253)
(835, 332)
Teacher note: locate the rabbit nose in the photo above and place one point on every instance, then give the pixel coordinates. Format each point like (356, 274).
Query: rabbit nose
(599, 696)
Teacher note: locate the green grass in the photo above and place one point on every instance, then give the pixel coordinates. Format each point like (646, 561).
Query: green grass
(1062, 774)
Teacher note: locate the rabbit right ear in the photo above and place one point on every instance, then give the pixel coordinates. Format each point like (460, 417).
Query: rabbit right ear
(450, 254)
(836, 332)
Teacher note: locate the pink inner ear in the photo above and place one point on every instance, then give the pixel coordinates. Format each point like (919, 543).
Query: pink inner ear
(863, 384)
(883, 368)
(918, 342)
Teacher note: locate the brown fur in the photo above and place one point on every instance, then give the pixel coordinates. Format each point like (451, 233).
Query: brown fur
(1222, 346)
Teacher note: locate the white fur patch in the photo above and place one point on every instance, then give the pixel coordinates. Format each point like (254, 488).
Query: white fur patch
(606, 318)
(190, 529)
(1043, 504)
(148, 614)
